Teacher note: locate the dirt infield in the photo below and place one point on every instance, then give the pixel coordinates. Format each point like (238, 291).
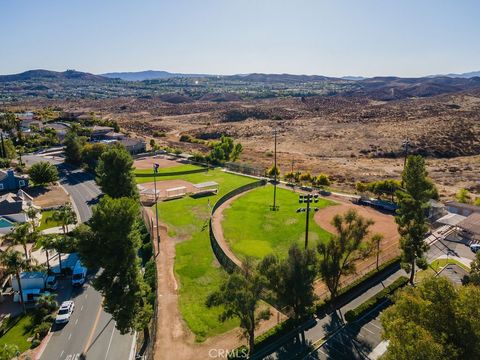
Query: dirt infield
(384, 224)
(164, 185)
(161, 160)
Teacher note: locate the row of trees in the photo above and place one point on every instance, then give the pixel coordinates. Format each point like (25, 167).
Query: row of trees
(290, 282)
(299, 177)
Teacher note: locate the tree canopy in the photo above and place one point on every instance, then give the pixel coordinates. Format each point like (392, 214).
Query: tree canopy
(338, 256)
(411, 215)
(224, 150)
(239, 296)
(43, 173)
(112, 243)
(115, 173)
(435, 320)
(291, 280)
(73, 148)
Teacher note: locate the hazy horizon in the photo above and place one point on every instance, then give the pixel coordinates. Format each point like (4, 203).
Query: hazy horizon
(342, 38)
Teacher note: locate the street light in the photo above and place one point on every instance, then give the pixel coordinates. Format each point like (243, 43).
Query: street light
(308, 199)
(275, 207)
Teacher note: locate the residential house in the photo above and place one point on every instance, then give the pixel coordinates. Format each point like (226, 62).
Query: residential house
(99, 132)
(9, 181)
(134, 146)
(456, 207)
(13, 207)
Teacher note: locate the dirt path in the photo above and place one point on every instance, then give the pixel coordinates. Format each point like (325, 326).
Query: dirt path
(174, 339)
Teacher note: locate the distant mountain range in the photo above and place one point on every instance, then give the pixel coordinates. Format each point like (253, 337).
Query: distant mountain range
(72, 83)
(52, 75)
(154, 74)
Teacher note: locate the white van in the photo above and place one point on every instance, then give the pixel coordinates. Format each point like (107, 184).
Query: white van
(79, 274)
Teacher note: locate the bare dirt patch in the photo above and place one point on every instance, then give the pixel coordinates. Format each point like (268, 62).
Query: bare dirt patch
(49, 196)
(162, 161)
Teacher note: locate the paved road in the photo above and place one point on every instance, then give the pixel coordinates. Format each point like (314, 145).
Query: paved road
(80, 185)
(90, 330)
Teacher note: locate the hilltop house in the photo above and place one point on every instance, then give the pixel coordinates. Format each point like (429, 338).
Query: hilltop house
(134, 146)
(9, 181)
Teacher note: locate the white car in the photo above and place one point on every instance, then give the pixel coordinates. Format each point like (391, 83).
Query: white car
(475, 248)
(64, 313)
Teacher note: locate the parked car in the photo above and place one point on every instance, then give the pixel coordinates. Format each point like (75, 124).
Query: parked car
(475, 248)
(65, 311)
(79, 274)
(51, 283)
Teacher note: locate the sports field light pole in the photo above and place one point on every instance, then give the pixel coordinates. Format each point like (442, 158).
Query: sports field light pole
(308, 199)
(274, 207)
(155, 170)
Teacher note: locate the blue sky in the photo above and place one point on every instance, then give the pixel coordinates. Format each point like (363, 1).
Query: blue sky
(335, 37)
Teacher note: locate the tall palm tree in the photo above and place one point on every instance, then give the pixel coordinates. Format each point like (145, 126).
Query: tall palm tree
(19, 236)
(65, 216)
(48, 242)
(14, 264)
(32, 214)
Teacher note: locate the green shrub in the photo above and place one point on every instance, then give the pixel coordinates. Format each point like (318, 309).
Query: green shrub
(35, 343)
(158, 133)
(381, 296)
(42, 330)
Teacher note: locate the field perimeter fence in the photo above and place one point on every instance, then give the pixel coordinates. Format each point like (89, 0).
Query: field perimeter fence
(220, 254)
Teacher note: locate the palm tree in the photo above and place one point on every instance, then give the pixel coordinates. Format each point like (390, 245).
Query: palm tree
(32, 214)
(19, 236)
(14, 264)
(48, 242)
(65, 216)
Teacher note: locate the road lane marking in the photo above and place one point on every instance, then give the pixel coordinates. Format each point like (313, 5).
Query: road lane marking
(76, 322)
(62, 353)
(81, 308)
(97, 318)
(69, 336)
(110, 342)
(86, 296)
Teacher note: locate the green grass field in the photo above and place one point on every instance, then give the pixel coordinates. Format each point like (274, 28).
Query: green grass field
(146, 175)
(253, 230)
(19, 333)
(43, 221)
(195, 266)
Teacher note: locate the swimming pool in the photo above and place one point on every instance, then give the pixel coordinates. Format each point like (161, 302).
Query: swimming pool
(4, 223)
